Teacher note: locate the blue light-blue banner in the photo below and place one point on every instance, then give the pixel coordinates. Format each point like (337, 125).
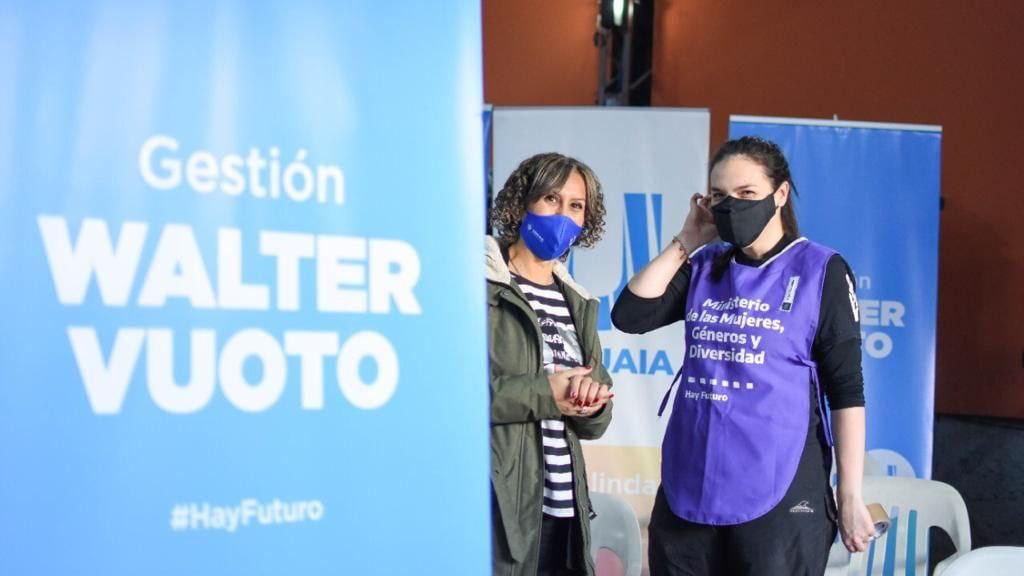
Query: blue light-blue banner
(871, 191)
(233, 340)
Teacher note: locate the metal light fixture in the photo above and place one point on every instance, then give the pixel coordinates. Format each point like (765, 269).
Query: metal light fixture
(618, 11)
(613, 13)
(625, 41)
(614, 40)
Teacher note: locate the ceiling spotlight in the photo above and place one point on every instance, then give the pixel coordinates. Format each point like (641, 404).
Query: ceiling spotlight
(613, 13)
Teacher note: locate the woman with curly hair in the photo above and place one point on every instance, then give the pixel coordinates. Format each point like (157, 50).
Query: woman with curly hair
(549, 388)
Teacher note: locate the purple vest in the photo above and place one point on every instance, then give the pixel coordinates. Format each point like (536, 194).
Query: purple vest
(740, 418)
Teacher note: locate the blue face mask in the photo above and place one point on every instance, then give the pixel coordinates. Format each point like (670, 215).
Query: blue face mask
(548, 237)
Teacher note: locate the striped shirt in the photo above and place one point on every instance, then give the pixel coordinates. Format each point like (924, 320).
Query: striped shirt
(561, 351)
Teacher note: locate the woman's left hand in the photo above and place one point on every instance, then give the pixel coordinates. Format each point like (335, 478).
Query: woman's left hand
(590, 396)
(855, 525)
(699, 227)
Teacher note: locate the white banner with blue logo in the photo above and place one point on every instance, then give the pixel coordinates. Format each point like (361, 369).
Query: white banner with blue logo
(649, 161)
(871, 191)
(243, 298)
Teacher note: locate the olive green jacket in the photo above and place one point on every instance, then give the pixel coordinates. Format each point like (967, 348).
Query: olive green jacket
(520, 398)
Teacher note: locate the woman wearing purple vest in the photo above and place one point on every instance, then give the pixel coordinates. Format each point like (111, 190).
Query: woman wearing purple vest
(772, 332)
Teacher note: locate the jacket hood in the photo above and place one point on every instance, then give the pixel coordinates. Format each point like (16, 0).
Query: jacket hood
(497, 270)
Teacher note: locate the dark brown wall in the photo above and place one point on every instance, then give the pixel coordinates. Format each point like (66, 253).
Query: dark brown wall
(540, 52)
(948, 63)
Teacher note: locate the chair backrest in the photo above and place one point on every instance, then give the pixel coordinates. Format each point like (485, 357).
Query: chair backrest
(990, 561)
(914, 506)
(615, 528)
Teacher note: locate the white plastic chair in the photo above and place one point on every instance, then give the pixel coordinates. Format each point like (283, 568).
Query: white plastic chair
(616, 529)
(914, 506)
(989, 561)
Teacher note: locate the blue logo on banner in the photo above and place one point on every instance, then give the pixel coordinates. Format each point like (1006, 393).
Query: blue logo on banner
(636, 249)
(636, 252)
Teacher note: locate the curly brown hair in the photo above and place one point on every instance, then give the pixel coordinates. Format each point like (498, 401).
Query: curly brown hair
(533, 179)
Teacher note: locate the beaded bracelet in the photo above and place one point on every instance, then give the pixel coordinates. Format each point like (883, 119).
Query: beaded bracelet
(682, 248)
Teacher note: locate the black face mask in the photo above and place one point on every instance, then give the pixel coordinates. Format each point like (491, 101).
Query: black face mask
(740, 222)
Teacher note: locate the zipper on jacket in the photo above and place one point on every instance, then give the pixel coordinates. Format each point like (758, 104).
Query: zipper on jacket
(519, 480)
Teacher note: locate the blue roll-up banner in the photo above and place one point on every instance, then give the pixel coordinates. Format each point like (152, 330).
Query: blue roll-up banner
(242, 297)
(871, 191)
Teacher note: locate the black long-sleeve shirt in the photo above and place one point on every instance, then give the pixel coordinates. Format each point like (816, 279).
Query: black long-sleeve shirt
(837, 343)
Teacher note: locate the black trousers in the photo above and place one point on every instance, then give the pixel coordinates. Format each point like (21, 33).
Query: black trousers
(560, 548)
(792, 539)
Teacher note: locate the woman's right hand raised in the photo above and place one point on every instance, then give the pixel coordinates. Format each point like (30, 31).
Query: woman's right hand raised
(699, 227)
